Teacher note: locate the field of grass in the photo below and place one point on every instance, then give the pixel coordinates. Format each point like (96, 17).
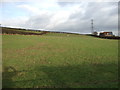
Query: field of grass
(59, 61)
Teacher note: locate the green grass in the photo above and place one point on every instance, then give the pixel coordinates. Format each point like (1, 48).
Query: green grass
(60, 61)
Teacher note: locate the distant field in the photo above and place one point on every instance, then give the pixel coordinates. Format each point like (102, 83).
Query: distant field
(59, 61)
(6, 30)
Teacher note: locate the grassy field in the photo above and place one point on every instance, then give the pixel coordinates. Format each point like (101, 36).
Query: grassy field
(59, 61)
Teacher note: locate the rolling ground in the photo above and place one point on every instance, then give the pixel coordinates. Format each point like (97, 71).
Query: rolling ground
(59, 61)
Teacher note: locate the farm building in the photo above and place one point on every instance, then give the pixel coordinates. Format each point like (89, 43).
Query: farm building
(95, 33)
(106, 34)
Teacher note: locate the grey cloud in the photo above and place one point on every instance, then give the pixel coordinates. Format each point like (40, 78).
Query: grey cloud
(81, 22)
(74, 26)
(104, 20)
(39, 21)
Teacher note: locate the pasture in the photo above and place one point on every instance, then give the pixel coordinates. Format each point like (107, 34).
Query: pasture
(59, 61)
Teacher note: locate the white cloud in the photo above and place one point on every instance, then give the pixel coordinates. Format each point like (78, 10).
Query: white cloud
(29, 8)
(15, 22)
(73, 17)
(60, 0)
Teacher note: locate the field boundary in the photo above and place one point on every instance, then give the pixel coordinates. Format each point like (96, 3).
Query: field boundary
(105, 37)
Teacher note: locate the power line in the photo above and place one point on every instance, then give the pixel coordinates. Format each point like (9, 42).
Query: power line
(92, 27)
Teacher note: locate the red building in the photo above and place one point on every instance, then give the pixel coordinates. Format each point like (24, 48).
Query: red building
(106, 34)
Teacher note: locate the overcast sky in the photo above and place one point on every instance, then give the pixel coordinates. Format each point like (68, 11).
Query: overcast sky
(60, 16)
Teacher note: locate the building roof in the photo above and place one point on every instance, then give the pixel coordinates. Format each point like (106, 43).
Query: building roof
(105, 32)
